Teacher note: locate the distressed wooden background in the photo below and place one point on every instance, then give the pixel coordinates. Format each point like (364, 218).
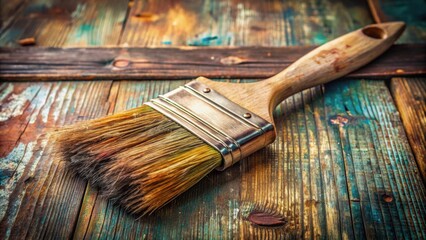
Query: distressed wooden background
(343, 165)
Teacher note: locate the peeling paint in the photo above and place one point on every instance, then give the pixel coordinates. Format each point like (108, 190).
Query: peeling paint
(57, 110)
(8, 90)
(16, 161)
(10, 162)
(50, 100)
(39, 102)
(15, 103)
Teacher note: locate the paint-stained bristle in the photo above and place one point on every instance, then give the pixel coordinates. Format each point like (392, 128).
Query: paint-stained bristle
(139, 158)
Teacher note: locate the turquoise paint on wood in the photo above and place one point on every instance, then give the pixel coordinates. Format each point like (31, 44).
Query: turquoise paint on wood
(72, 23)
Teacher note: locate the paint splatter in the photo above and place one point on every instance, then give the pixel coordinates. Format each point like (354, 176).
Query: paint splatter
(339, 120)
(204, 41)
(319, 39)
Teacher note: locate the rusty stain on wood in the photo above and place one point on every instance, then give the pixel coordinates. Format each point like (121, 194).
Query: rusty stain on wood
(266, 219)
(339, 120)
(387, 198)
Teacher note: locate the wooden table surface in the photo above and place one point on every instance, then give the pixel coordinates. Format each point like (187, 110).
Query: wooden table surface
(347, 163)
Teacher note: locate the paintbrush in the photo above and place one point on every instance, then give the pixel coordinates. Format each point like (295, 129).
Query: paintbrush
(145, 157)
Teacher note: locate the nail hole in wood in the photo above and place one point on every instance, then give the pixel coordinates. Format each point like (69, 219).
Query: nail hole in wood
(27, 41)
(387, 198)
(374, 32)
(146, 16)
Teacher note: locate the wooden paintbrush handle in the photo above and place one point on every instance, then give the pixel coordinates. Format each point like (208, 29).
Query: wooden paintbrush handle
(324, 64)
(333, 60)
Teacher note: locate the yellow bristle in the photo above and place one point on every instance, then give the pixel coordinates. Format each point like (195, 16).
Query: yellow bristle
(139, 158)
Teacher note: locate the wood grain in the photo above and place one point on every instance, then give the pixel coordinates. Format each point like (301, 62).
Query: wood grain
(7, 12)
(36, 185)
(406, 91)
(70, 23)
(341, 166)
(410, 98)
(301, 178)
(23, 64)
(240, 23)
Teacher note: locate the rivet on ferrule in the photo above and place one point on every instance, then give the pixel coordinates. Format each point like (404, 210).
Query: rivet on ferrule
(247, 115)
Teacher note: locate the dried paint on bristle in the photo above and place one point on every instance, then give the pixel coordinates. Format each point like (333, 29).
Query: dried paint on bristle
(139, 158)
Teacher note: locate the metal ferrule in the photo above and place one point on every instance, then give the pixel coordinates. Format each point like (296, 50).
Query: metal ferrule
(234, 131)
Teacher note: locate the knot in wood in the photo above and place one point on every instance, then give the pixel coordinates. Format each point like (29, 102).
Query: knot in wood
(121, 63)
(231, 60)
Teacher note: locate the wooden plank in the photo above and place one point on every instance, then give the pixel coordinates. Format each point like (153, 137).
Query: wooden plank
(38, 194)
(59, 23)
(407, 91)
(239, 23)
(277, 181)
(39, 197)
(356, 152)
(410, 98)
(186, 62)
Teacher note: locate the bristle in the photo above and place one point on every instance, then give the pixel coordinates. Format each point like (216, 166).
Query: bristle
(139, 158)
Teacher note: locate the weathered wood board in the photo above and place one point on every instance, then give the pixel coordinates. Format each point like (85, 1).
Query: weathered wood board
(69, 23)
(409, 93)
(240, 23)
(20, 64)
(410, 98)
(342, 166)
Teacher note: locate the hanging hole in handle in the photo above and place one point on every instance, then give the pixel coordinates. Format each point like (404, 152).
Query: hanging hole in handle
(374, 32)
